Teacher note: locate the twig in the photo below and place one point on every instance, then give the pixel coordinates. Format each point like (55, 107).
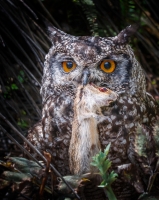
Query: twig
(49, 15)
(29, 9)
(40, 29)
(21, 48)
(48, 158)
(20, 147)
(29, 96)
(146, 14)
(38, 152)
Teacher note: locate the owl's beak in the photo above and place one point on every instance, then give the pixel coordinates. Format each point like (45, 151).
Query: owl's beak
(85, 76)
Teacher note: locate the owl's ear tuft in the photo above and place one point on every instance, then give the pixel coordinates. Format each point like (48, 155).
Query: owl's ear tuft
(124, 35)
(55, 34)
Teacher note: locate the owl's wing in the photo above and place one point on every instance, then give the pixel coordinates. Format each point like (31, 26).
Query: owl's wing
(35, 135)
(145, 156)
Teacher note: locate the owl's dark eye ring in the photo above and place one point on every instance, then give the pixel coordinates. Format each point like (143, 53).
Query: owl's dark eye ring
(108, 66)
(68, 66)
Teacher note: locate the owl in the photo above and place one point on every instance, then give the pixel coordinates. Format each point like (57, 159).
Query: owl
(94, 93)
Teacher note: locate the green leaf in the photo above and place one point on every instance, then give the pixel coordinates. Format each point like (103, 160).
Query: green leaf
(106, 165)
(153, 82)
(103, 164)
(14, 86)
(112, 177)
(22, 124)
(20, 78)
(106, 151)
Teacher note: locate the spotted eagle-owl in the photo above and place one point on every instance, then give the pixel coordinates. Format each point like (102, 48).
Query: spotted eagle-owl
(82, 76)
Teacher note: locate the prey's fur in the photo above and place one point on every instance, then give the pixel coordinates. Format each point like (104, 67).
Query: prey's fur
(87, 114)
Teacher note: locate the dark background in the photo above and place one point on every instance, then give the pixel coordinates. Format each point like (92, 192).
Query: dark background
(24, 44)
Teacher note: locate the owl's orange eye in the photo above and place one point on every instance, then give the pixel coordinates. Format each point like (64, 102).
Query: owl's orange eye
(68, 66)
(108, 66)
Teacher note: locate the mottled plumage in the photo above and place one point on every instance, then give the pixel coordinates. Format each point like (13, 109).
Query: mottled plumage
(133, 108)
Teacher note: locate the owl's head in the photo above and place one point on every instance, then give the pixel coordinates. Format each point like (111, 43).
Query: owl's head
(106, 62)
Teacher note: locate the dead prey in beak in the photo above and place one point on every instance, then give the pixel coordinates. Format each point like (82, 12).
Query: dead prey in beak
(87, 114)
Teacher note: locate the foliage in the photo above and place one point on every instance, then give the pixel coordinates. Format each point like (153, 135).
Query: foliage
(103, 164)
(19, 173)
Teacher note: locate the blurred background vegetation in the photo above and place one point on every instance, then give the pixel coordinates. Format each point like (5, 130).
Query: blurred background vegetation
(24, 44)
